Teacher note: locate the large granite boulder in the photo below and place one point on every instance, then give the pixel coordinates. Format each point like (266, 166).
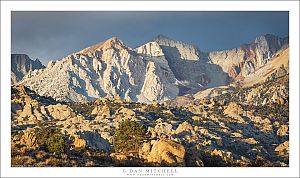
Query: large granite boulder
(167, 152)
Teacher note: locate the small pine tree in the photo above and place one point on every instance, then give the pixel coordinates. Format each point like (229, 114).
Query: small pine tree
(43, 133)
(56, 143)
(51, 139)
(129, 136)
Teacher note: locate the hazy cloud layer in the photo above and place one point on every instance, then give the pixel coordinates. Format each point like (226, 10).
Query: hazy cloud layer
(53, 35)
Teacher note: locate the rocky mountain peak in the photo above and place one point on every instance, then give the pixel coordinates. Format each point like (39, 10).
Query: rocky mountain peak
(113, 42)
(267, 37)
(150, 49)
(177, 49)
(270, 42)
(162, 39)
(158, 70)
(21, 64)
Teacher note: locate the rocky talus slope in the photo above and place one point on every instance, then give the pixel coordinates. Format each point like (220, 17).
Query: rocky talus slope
(243, 127)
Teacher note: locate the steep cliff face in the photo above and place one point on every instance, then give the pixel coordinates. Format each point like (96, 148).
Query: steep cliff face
(190, 66)
(21, 64)
(242, 61)
(109, 68)
(160, 81)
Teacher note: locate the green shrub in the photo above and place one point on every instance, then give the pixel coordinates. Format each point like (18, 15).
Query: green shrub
(129, 136)
(51, 139)
(43, 133)
(56, 143)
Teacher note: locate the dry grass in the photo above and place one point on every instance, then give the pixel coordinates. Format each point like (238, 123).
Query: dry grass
(52, 161)
(20, 161)
(41, 154)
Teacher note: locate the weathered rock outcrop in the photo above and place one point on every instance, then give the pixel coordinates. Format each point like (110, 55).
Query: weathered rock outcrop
(167, 152)
(233, 128)
(94, 140)
(233, 109)
(101, 111)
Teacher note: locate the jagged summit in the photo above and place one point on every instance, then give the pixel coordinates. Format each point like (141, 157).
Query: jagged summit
(177, 49)
(269, 38)
(113, 40)
(161, 39)
(151, 49)
(109, 43)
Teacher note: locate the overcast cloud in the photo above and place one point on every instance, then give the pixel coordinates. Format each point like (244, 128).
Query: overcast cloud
(53, 35)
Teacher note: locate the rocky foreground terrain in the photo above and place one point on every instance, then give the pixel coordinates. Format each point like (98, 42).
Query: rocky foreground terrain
(240, 126)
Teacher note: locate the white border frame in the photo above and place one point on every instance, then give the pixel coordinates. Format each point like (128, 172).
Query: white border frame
(291, 6)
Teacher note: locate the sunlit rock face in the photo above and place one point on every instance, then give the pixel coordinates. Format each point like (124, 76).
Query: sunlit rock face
(109, 68)
(158, 70)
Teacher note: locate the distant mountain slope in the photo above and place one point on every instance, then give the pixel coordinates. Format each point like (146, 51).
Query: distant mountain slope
(21, 64)
(278, 66)
(242, 61)
(158, 70)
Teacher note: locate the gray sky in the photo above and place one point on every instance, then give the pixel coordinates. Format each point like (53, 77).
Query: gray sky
(53, 35)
